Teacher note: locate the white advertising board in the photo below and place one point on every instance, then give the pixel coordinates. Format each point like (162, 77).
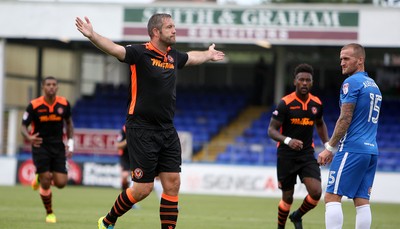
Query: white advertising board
(8, 169)
(261, 181)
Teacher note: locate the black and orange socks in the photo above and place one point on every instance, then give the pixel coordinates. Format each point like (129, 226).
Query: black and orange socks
(308, 204)
(283, 212)
(45, 195)
(168, 211)
(123, 203)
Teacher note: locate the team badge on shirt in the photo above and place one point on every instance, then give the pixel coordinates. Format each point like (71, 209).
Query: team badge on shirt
(60, 110)
(25, 116)
(170, 59)
(345, 88)
(314, 110)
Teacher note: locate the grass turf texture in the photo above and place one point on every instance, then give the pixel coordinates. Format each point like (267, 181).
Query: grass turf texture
(80, 207)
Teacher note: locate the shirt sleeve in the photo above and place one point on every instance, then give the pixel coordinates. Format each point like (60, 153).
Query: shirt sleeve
(28, 115)
(280, 111)
(68, 111)
(321, 112)
(132, 54)
(349, 91)
(182, 59)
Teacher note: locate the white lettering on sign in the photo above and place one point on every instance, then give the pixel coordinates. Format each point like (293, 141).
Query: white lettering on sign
(236, 33)
(255, 17)
(95, 141)
(101, 174)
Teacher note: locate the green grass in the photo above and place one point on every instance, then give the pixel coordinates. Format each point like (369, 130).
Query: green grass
(80, 207)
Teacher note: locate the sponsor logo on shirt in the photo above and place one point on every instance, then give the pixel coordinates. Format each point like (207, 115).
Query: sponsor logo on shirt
(159, 63)
(49, 118)
(302, 121)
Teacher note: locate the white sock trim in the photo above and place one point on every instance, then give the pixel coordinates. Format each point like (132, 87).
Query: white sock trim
(363, 206)
(332, 204)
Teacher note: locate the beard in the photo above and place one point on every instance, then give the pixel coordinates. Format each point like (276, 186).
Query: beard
(168, 40)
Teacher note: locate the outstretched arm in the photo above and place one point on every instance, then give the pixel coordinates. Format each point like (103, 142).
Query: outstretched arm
(199, 57)
(103, 43)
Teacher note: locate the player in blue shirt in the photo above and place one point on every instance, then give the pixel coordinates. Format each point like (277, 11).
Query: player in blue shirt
(353, 167)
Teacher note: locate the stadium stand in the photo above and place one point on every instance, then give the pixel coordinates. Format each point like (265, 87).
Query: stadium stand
(104, 110)
(203, 112)
(254, 147)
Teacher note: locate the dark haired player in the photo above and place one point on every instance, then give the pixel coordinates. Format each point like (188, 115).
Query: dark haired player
(292, 126)
(47, 116)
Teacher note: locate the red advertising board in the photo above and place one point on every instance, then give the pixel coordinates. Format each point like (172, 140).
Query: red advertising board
(96, 141)
(92, 141)
(26, 172)
(104, 142)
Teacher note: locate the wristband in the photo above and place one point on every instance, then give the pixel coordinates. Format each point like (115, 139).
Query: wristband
(70, 144)
(287, 140)
(328, 147)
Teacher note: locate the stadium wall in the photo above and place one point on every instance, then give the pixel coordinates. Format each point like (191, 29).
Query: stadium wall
(288, 24)
(205, 179)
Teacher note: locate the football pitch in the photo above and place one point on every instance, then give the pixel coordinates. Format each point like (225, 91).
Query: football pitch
(78, 207)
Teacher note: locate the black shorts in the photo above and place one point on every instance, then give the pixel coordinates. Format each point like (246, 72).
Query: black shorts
(124, 161)
(288, 168)
(152, 152)
(50, 158)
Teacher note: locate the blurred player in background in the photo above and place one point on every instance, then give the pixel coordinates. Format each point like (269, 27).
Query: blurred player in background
(123, 159)
(353, 167)
(153, 142)
(47, 116)
(124, 162)
(292, 126)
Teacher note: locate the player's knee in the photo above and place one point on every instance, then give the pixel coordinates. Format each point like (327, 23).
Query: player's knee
(172, 189)
(316, 195)
(141, 191)
(60, 185)
(45, 182)
(288, 199)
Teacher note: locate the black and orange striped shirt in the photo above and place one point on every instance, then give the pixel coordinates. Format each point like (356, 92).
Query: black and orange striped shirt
(298, 119)
(47, 119)
(152, 97)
